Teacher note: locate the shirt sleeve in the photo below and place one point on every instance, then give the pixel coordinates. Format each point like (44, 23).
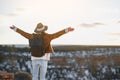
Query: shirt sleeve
(58, 34)
(23, 33)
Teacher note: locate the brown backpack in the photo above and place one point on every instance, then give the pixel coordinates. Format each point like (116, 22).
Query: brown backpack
(37, 47)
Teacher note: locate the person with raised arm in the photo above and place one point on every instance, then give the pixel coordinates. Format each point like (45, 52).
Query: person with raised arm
(40, 62)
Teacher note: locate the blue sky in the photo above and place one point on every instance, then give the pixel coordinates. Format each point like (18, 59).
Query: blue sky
(96, 22)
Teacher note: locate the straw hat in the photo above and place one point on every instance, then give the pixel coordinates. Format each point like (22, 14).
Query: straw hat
(40, 28)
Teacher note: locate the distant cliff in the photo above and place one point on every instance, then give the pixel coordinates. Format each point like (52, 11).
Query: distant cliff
(57, 47)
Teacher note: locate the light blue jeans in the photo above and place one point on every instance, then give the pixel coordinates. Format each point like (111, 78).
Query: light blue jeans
(39, 69)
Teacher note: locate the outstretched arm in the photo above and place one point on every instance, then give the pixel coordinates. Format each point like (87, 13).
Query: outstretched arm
(24, 34)
(60, 33)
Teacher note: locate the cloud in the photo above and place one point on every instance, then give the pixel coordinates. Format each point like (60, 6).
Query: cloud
(114, 34)
(20, 9)
(12, 14)
(118, 22)
(91, 25)
(16, 12)
(86, 25)
(98, 23)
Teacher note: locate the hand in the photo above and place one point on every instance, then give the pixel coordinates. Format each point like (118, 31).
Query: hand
(12, 27)
(70, 29)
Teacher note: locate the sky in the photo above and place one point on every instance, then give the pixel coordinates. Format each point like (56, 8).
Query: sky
(96, 22)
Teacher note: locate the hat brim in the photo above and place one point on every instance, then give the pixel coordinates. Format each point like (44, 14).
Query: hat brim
(46, 27)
